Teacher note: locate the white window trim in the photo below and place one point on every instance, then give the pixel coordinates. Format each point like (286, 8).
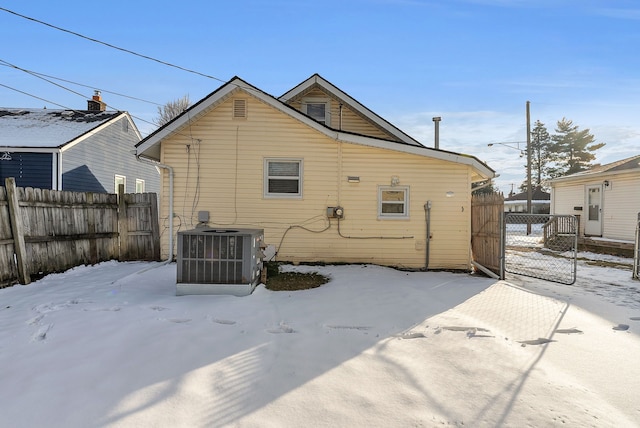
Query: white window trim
(317, 100)
(115, 182)
(140, 181)
(393, 216)
(269, 195)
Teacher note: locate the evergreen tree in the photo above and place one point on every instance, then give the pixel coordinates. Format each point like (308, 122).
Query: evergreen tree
(573, 149)
(541, 154)
(171, 110)
(542, 157)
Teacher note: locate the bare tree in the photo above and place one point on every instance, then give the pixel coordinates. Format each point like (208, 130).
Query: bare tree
(171, 110)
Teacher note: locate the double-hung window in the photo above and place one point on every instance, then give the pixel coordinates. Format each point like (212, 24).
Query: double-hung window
(139, 185)
(318, 109)
(118, 180)
(283, 178)
(393, 202)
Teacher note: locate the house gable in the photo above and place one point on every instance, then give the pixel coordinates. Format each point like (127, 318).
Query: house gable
(345, 112)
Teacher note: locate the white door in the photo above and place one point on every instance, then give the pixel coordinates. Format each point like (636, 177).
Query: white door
(593, 217)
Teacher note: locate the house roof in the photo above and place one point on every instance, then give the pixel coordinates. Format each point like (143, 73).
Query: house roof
(46, 128)
(149, 147)
(318, 81)
(631, 164)
(537, 195)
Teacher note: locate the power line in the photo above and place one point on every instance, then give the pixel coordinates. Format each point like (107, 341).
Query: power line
(35, 73)
(35, 96)
(43, 78)
(112, 46)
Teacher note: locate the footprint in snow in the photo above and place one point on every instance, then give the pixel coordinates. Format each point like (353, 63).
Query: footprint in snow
(465, 329)
(158, 308)
(635, 318)
(41, 334)
(282, 328)
(414, 335)
(222, 321)
(349, 327)
(569, 331)
(179, 320)
(111, 309)
(35, 320)
(538, 341)
(621, 327)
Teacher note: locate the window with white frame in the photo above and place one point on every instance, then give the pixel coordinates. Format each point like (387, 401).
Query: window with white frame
(139, 185)
(283, 178)
(393, 202)
(120, 179)
(318, 109)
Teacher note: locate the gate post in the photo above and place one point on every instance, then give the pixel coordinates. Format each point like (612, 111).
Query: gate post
(503, 247)
(17, 230)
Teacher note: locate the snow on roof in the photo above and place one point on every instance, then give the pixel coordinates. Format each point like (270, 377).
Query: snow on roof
(39, 128)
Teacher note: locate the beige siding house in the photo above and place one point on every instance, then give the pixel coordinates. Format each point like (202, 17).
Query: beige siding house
(326, 178)
(606, 197)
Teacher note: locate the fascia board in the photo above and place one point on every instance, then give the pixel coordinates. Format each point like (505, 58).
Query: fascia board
(593, 175)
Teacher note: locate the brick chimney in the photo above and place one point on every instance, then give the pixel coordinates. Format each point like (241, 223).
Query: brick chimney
(96, 103)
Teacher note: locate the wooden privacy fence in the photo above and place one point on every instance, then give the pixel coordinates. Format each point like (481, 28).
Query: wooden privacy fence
(486, 230)
(44, 231)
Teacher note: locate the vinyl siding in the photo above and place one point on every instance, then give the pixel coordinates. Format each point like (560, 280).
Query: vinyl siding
(91, 165)
(621, 207)
(620, 203)
(224, 159)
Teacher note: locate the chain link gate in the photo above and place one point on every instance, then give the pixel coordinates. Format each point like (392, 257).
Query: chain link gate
(541, 246)
(636, 252)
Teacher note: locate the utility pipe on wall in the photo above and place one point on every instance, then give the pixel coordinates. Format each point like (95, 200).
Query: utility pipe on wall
(427, 211)
(170, 170)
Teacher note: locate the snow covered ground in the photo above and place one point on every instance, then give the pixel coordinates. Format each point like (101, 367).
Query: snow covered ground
(111, 345)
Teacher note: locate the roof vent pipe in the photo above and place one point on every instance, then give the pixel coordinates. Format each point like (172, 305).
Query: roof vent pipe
(436, 121)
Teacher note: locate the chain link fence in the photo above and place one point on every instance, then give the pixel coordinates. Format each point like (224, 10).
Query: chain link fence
(636, 252)
(541, 246)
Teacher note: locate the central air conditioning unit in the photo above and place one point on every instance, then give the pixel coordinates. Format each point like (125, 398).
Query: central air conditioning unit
(219, 261)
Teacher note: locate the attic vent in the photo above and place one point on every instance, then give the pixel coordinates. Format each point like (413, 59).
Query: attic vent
(239, 108)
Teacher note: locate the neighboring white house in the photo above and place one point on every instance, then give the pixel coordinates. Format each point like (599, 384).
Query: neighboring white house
(606, 198)
(517, 203)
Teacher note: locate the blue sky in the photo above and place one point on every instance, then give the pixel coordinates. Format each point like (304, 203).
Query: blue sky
(475, 63)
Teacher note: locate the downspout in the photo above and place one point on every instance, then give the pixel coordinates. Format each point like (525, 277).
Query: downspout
(170, 169)
(427, 211)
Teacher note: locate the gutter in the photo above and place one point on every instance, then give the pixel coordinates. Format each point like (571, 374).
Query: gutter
(170, 169)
